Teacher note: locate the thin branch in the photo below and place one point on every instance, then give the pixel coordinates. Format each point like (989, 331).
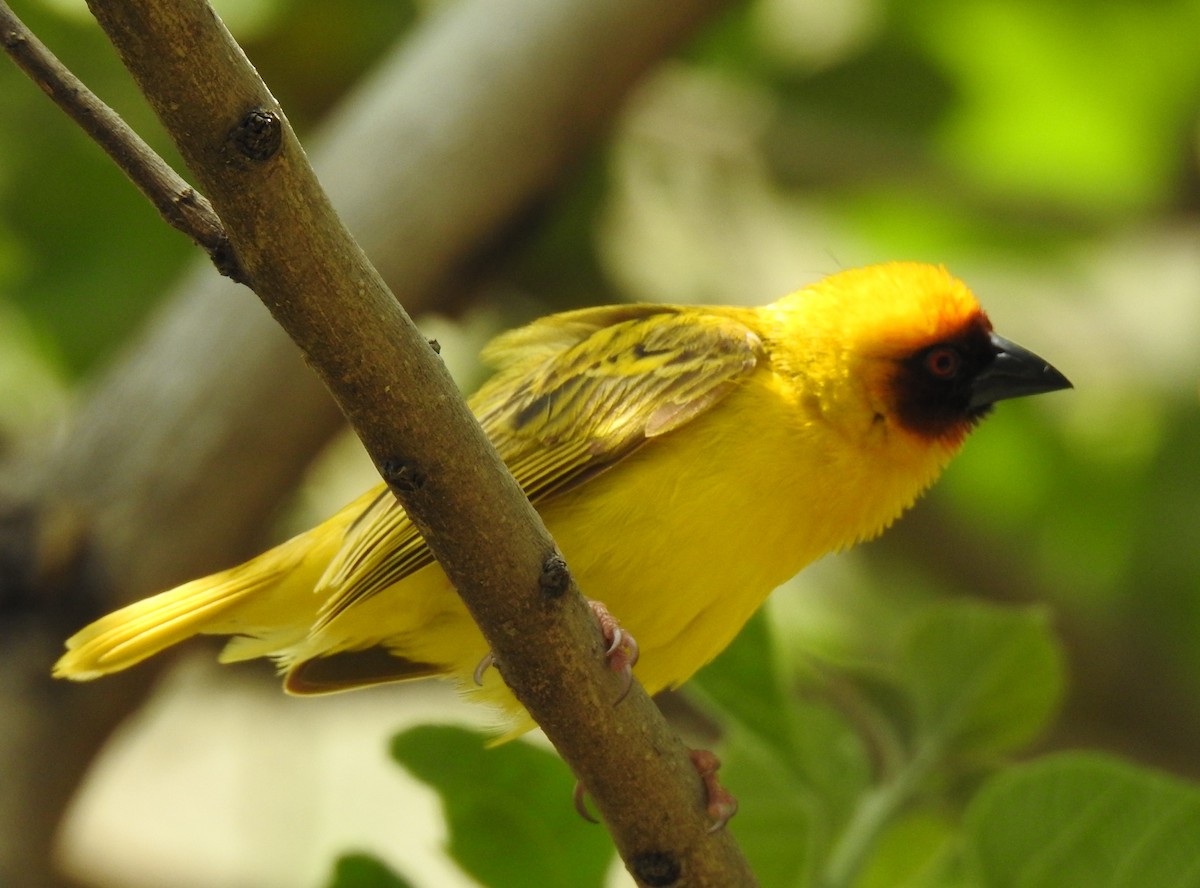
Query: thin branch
(401, 401)
(177, 202)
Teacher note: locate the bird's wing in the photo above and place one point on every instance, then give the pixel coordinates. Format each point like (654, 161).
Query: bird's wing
(573, 395)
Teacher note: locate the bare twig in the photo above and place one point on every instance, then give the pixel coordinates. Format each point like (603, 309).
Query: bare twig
(177, 202)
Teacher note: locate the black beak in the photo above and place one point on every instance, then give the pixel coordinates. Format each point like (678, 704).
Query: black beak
(1014, 373)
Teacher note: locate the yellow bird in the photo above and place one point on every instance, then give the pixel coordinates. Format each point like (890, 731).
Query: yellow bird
(686, 459)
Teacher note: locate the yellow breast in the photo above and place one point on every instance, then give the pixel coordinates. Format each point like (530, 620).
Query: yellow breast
(685, 538)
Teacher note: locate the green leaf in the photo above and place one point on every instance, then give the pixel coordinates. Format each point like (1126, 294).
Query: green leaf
(795, 766)
(915, 851)
(508, 809)
(781, 824)
(985, 680)
(1085, 820)
(364, 871)
(810, 741)
(744, 683)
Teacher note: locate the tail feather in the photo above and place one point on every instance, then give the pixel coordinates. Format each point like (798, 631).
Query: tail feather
(266, 642)
(142, 629)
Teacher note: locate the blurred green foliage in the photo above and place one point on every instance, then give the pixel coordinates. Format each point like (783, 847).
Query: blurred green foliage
(364, 871)
(1046, 152)
(497, 837)
(82, 254)
(943, 805)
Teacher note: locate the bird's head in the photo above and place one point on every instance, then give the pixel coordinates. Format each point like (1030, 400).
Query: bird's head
(924, 350)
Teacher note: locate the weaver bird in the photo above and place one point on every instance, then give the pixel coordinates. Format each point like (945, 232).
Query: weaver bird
(686, 459)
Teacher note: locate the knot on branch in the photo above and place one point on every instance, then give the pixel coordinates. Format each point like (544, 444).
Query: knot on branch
(555, 578)
(259, 134)
(226, 261)
(401, 477)
(658, 869)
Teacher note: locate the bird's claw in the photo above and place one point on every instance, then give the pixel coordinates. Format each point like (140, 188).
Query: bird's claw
(580, 798)
(720, 803)
(485, 664)
(622, 652)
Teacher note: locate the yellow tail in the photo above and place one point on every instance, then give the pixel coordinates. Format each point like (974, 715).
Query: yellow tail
(210, 605)
(266, 604)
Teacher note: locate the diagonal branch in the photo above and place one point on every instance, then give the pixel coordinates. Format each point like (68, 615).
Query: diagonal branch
(323, 291)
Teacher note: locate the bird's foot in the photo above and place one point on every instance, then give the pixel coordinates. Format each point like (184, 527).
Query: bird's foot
(720, 803)
(622, 652)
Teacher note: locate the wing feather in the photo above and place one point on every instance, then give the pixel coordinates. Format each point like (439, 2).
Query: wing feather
(574, 394)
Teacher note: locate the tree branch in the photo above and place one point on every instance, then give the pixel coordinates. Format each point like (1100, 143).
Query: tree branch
(177, 202)
(217, 386)
(332, 302)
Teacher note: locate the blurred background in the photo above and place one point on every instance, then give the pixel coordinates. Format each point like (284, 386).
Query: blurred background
(1046, 153)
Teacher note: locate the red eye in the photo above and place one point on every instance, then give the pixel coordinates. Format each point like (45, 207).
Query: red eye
(944, 362)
